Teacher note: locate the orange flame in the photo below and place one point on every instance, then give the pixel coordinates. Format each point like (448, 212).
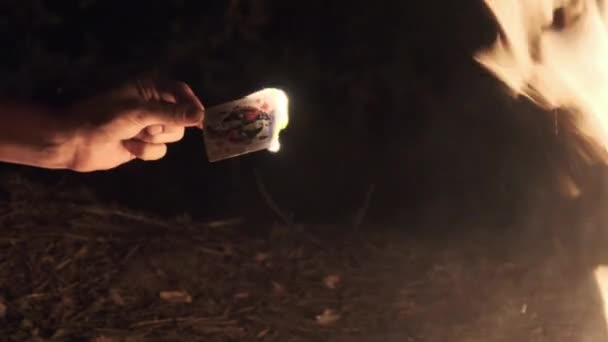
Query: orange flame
(555, 52)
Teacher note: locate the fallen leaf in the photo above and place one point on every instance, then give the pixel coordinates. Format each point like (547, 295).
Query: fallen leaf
(59, 334)
(47, 259)
(263, 333)
(328, 317)
(332, 281)
(67, 300)
(82, 252)
(278, 289)
(116, 297)
(176, 297)
(261, 258)
(241, 295)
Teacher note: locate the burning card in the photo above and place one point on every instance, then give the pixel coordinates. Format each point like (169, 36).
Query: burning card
(250, 124)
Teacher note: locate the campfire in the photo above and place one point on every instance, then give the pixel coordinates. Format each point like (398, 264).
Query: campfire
(555, 53)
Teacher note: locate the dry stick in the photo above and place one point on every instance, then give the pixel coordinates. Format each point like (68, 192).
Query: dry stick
(232, 221)
(159, 322)
(212, 321)
(125, 215)
(362, 212)
(224, 222)
(287, 218)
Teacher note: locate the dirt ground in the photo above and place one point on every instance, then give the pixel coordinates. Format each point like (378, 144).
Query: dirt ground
(74, 270)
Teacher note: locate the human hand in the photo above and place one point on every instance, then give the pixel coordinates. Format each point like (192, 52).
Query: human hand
(135, 121)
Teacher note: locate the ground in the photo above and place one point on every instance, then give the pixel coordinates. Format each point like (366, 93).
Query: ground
(74, 269)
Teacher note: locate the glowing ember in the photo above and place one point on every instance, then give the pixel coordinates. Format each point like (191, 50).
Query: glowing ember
(556, 53)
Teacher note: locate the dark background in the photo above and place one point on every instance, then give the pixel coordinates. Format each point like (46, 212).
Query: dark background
(382, 93)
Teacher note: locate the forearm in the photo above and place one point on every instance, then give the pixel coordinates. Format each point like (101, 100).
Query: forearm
(32, 135)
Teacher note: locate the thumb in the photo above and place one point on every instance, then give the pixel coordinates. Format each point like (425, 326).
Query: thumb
(156, 112)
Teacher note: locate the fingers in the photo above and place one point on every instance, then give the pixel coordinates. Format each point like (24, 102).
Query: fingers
(168, 97)
(145, 151)
(164, 113)
(156, 105)
(161, 134)
(181, 93)
(155, 129)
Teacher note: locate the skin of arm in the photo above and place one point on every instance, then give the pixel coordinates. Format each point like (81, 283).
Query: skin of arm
(33, 135)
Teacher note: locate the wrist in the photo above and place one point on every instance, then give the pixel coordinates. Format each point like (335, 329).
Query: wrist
(35, 136)
(59, 144)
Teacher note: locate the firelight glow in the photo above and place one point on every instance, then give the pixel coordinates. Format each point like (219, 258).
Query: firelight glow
(555, 52)
(601, 278)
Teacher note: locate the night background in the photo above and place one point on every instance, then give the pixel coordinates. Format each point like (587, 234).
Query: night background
(406, 171)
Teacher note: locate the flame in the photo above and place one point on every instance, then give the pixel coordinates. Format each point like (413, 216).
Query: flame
(281, 116)
(278, 100)
(555, 52)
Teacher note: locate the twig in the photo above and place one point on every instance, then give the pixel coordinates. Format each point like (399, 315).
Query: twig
(32, 296)
(63, 264)
(183, 321)
(362, 212)
(158, 322)
(210, 251)
(130, 253)
(224, 223)
(125, 215)
(287, 218)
